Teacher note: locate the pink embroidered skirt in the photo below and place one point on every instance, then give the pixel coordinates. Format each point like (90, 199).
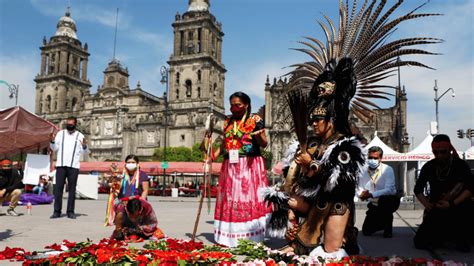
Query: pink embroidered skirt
(240, 210)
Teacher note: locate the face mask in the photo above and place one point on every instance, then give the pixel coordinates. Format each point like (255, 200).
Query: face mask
(131, 166)
(238, 111)
(373, 163)
(70, 127)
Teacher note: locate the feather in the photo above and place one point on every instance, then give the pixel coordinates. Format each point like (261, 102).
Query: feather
(298, 105)
(364, 35)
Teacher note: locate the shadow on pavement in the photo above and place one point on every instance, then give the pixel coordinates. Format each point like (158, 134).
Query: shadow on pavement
(7, 234)
(208, 236)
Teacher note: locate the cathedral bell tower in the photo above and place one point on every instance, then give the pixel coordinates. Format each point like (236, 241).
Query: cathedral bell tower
(196, 71)
(196, 74)
(62, 82)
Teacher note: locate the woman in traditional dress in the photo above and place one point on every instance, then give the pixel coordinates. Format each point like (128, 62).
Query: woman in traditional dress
(240, 210)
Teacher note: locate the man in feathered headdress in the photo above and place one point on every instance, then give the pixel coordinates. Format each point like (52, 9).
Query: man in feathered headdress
(319, 189)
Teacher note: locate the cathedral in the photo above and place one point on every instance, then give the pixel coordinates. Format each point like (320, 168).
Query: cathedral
(118, 120)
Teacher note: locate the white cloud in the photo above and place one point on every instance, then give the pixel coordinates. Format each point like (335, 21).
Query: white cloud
(159, 42)
(18, 70)
(84, 12)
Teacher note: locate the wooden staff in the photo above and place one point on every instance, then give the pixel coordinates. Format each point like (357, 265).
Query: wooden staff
(207, 169)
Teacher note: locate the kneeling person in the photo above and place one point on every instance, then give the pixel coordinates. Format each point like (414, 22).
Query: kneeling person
(377, 185)
(136, 217)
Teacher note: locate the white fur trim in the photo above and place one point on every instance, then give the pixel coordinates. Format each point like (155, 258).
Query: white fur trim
(332, 256)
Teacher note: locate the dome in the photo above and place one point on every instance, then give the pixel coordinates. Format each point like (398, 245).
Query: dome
(198, 5)
(66, 26)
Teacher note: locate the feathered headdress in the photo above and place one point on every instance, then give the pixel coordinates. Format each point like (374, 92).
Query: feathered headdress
(353, 60)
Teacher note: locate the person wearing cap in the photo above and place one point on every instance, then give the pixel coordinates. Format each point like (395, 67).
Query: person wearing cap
(377, 186)
(10, 186)
(451, 186)
(70, 144)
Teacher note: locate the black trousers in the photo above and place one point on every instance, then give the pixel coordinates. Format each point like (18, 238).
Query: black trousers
(380, 217)
(440, 226)
(61, 174)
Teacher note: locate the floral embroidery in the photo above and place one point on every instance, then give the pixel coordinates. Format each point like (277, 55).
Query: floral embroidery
(241, 138)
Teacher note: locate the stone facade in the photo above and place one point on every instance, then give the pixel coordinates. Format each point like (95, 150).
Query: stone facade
(117, 120)
(390, 123)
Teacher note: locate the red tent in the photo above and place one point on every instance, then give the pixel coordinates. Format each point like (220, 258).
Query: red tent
(153, 168)
(21, 131)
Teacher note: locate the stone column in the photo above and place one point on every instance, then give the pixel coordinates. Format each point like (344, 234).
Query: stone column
(205, 40)
(38, 101)
(61, 98)
(84, 69)
(196, 41)
(185, 43)
(177, 42)
(219, 50)
(56, 62)
(43, 63)
(71, 64)
(64, 58)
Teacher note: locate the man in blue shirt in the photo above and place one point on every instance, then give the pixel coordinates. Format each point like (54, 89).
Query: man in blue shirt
(377, 185)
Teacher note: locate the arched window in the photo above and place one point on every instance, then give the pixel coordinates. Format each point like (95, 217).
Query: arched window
(177, 93)
(55, 105)
(177, 78)
(74, 104)
(110, 81)
(215, 90)
(199, 92)
(189, 87)
(48, 103)
(199, 75)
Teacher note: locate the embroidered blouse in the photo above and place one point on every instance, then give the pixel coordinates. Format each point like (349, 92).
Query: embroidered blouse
(238, 135)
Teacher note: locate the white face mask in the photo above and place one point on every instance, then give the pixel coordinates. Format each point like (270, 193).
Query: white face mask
(131, 166)
(373, 163)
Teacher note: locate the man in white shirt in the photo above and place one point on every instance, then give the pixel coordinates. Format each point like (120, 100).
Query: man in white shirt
(69, 144)
(377, 185)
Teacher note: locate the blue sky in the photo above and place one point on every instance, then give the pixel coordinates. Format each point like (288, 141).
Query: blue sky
(258, 35)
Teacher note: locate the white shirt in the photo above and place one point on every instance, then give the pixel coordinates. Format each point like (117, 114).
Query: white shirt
(69, 151)
(384, 183)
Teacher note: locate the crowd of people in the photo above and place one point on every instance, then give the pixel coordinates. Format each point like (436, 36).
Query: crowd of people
(320, 211)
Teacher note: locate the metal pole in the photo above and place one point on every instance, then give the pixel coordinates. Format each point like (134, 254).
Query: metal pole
(165, 79)
(436, 105)
(166, 130)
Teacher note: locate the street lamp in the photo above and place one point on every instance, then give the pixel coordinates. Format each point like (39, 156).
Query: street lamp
(436, 99)
(13, 89)
(164, 71)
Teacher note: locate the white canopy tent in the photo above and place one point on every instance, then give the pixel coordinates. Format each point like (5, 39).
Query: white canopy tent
(469, 153)
(388, 153)
(423, 151)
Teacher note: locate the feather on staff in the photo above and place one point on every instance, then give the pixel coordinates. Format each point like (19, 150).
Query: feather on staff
(298, 105)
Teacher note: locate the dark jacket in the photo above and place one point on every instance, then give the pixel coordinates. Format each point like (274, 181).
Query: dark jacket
(10, 180)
